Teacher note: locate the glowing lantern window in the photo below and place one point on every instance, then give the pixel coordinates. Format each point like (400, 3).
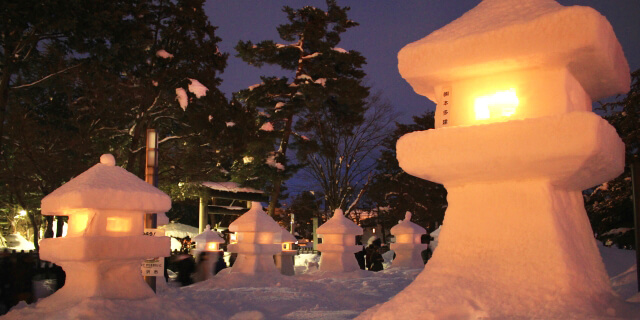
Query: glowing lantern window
(498, 105)
(78, 222)
(233, 238)
(212, 246)
(287, 246)
(116, 224)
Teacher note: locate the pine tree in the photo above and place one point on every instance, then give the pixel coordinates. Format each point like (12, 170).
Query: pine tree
(395, 192)
(610, 205)
(326, 83)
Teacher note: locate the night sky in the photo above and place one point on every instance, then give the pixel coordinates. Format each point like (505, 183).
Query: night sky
(385, 27)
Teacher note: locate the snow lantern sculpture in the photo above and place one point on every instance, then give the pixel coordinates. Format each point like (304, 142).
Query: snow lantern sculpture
(208, 241)
(208, 249)
(105, 245)
(408, 247)
(515, 144)
(284, 260)
(258, 239)
(339, 244)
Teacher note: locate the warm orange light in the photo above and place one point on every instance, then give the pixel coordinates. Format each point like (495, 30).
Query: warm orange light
(498, 105)
(78, 222)
(233, 238)
(287, 246)
(212, 246)
(117, 224)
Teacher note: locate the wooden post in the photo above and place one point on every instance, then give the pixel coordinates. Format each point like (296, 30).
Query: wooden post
(202, 214)
(151, 177)
(635, 178)
(315, 233)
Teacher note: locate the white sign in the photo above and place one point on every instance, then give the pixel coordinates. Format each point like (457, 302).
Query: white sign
(153, 267)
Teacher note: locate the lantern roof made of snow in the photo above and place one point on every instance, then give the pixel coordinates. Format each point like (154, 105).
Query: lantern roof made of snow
(407, 227)
(255, 220)
(208, 235)
(339, 224)
(106, 186)
(286, 236)
(507, 35)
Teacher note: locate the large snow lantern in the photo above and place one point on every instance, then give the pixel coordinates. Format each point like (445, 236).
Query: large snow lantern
(339, 244)
(408, 246)
(258, 237)
(105, 245)
(515, 144)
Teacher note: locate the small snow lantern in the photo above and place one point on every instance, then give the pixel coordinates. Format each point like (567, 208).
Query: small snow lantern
(105, 245)
(515, 144)
(408, 247)
(208, 241)
(258, 237)
(284, 259)
(288, 240)
(339, 244)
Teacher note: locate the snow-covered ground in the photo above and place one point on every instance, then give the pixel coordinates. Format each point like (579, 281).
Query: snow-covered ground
(311, 294)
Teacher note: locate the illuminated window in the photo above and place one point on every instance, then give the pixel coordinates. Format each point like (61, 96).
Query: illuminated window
(78, 222)
(117, 224)
(212, 246)
(286, 245)
(498, 105)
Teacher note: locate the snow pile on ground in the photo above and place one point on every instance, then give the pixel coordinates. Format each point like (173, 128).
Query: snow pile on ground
(311, 294)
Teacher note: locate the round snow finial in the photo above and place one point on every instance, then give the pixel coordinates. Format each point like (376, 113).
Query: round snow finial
(338, 212)
(407, 216)
(207, 228)
(108, 159)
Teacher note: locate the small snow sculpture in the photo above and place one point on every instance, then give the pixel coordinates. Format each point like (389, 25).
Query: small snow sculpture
(407, 247)
(284, 260)
(105, 245)
(339, 244)
(258, 239)
(513, 81)
(207, 249)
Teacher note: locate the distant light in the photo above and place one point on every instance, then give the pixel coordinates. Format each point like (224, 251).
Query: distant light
(22, 213)
(247, 159)
(498, 105)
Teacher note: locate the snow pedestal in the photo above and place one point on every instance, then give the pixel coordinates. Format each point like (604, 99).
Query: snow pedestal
(208, 243)
(515, 143)
(338, 245)
(408, 247)
(258, 237)
(285, 259)
(105, 245)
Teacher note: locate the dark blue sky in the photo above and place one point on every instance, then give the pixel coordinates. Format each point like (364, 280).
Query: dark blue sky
(385, 27)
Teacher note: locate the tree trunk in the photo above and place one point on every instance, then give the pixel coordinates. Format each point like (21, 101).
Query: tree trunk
(277, 183)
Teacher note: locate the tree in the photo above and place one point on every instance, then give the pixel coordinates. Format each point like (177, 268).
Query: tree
(88, 77)
(341, 162)
(305, 206)
(610, 205)
(326, 83)
(395, 192)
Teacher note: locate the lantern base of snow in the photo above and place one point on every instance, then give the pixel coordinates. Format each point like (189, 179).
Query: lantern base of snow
(516, 241)
(285, 262)
(338, 258)
(101, 267)
(254, 258)
(408, 255)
